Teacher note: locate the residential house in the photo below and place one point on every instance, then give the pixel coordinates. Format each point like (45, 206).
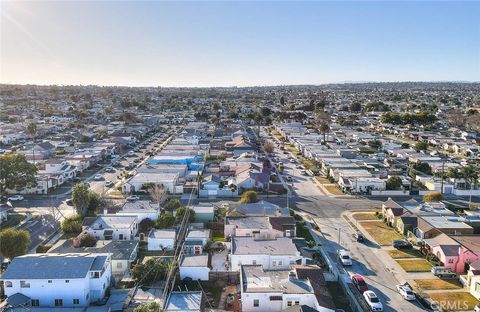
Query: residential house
(472, 279)
(161, 239)
(260, 227)
(276, 254)
(111, 227)
(4, 209)
(276, 291)
(195, 267)
(138, 181)
(58, 280)
(123, 253)
(142, 209)
(195, 241)
(185, 301)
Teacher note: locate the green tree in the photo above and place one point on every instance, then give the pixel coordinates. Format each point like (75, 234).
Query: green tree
(433, 197)
(152, 270)
(268, 147)
(421, 146)
(16, 173)
(180, 212)
(420, 166)
(405, 145)
(394, 183)
(172, 205)
(249, 197)
(148, 307)
(322, 119)
(32, 132)
(81, 199)
(355, 107)
(165, 221)
(86, 240)
(72, 225)
(14, 243)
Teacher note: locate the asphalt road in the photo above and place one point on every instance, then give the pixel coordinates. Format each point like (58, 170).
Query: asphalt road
(326, 211)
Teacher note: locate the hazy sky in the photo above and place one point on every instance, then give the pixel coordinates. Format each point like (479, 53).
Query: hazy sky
(237, 43)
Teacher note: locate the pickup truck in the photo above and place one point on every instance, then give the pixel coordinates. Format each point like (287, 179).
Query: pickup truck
(443, 272)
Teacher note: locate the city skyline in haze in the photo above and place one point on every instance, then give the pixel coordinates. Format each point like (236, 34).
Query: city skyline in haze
(208, 44)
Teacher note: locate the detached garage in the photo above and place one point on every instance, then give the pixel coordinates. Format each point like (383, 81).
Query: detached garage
(195, 267)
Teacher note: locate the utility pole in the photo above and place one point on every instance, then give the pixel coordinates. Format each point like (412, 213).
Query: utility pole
(443, 175)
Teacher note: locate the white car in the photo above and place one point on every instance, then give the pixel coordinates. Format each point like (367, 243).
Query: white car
(98, 177)
(406, 292)
(372, 301)
(344, 257)
(109, 183)
(133, 198)
(477, 308)
(15, 198)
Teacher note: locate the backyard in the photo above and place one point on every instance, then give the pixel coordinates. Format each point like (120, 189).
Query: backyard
(380, 232)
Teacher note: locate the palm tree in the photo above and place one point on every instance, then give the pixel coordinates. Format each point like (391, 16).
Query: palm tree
(322, 120)
(32, 131)
(470, 174)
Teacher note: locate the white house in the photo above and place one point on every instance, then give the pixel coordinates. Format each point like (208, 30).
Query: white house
(111, 227)
(4, 209)
(161, 239)
(276, 291)
(195, 241)
(195, 267)
(122, 253)
(58, 280)
(168, 180)
(142, 209)
(276, 254)
(260, 227)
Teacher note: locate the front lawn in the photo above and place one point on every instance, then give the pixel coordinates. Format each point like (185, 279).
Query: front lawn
(363, 216)
(415, 265)
(407, 253)
(436, 283)
(333, 189)
(455, 301)
(323, 180)
(380, 232)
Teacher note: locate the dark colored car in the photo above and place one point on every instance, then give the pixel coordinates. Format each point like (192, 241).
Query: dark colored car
(358, 236)
(401, 244)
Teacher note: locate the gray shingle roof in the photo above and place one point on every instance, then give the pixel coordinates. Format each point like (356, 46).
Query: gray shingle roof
(52, 266)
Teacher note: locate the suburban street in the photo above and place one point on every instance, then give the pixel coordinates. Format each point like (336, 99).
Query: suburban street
(326, 211)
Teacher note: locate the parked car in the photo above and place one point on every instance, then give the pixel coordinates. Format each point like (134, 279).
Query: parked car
(358, 236)
(109, 183)
(69, 202)
(98, 177)
(477, 308)
(109, 169)
(303, 172)
(131, 154)
(406, 292)
(443, 272)
(359, 282)
(289, 178)
(133, 198)
(15, 198)
(344, 257)
(372, 300)
(401, 244)
(4, 264)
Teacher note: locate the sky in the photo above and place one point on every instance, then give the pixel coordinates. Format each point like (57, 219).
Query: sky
(226, 43)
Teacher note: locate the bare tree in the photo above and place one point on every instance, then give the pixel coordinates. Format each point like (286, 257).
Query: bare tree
(157, 194)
